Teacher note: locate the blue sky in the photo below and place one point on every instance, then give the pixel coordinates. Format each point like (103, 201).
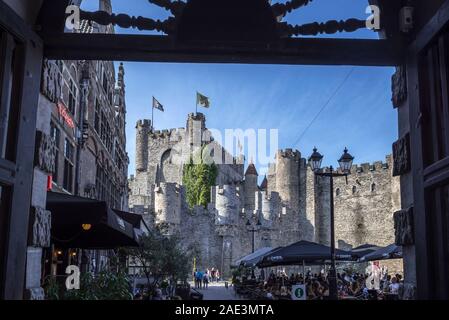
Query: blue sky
(359, 116)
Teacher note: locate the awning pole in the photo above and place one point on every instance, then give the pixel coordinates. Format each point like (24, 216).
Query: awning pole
(304, 270)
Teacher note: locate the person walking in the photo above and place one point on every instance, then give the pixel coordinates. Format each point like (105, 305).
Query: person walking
(205, 281)
(200, 279)
(196, 277)
(217, 274)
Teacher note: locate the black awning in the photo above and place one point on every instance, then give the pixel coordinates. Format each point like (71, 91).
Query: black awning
(392, 251)
(363, 250)
(78, 222)
(302, 252)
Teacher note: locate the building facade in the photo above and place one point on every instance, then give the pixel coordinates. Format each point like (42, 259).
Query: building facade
(82, 108)
(290, 205)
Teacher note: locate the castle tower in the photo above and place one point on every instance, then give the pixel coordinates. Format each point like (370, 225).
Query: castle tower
(196, 124)
(227, 204)
(267, 206)
(143, 130)
(288, 177)
(167, 205)
(250, 187)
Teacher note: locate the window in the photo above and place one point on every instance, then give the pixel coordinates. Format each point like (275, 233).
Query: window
(337, 192)
(97, 116)
(354, 189)
(103, 129)
(72, 96)
(68, 166)
(373, 187)
(55, 134)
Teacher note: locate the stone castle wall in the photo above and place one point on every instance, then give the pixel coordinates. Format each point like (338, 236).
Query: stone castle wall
(364, 206)
(293, 206)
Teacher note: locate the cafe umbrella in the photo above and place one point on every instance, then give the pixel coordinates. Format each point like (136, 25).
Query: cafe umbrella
(302, 252)
(392, 251)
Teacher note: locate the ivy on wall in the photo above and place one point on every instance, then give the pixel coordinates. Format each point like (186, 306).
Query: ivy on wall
(198, 178)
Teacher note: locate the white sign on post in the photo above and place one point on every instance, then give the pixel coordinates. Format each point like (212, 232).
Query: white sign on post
(299, 292)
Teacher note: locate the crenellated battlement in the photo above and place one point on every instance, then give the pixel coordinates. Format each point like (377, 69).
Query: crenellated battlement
(366, 167)
(171, 134)
(197, 116)
(143, 123)
(289, 153)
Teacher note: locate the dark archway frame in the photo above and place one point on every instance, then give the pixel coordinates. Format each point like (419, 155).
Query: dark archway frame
(269, 47)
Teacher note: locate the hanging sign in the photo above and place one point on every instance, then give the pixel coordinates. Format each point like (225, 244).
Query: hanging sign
(64, 114)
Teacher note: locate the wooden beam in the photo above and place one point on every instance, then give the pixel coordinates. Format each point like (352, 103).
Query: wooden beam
(306, 51)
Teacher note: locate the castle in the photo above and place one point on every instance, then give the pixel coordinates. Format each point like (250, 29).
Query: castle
(291, 204)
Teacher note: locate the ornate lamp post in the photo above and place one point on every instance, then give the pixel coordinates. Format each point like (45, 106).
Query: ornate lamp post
(345, 163)
(253, 229)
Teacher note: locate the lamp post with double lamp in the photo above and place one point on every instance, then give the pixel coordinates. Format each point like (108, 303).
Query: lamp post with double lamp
(345, 163)
(253, 229)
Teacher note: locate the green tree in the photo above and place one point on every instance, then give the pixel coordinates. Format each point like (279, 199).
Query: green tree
(160, 258)
(199, 176)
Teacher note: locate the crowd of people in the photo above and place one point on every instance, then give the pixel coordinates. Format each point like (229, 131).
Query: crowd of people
(349, 286)
(202, 278)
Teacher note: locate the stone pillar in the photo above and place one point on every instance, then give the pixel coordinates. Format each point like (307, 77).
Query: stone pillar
(40, 219)
(401, 169)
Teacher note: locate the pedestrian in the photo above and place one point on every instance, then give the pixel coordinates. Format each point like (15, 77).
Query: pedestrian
(213, 274)
(205, 281)
(217, 274)
(196, 276)
(200, 279)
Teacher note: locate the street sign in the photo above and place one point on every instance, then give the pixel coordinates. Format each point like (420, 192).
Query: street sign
(299, 292)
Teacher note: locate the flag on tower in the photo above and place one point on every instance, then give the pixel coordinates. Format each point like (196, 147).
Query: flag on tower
(202, 100)
(157, 105)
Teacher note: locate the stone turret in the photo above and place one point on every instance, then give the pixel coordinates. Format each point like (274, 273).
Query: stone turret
(143, 130)
(288, 177)
(250, 187)
(196, 124)
(167, 204)
(227, 204)
(267, 207)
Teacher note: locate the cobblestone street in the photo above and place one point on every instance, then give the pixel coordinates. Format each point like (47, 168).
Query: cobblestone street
(218, 291)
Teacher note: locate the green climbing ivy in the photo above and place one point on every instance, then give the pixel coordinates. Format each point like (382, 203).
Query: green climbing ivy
(198, 178)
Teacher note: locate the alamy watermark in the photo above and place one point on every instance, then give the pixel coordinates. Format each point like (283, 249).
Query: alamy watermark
(72, 282)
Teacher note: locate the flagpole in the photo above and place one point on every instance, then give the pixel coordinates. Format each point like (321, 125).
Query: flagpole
(152, 116)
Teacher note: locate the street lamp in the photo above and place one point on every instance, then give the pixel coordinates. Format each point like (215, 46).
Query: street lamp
(253, 230)
(345, 163)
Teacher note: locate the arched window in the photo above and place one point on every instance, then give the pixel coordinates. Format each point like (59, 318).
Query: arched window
(337, 192)
(373, 187)
(354, 189)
